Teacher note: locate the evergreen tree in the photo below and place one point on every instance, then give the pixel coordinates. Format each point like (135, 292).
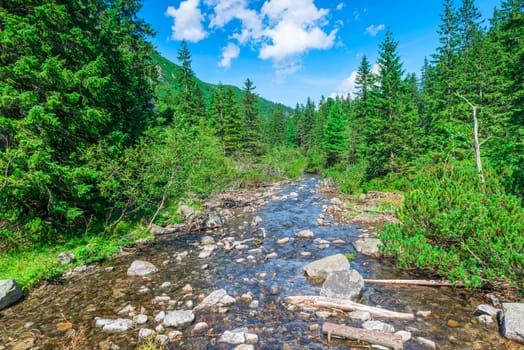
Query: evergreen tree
(252, 127)
(217, 112)
(233, 126)
(335, 137)
(190, 108)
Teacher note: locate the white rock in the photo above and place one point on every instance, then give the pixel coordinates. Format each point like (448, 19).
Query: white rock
(360, 316)
(429, 343)
(305, 234)
(207, 251)
(283, 240)
(200, 327)
(272, 256)
(145, 333)
(119, 325)
(406, 336)
(178, 318)
(160, 316)
(141, 268)
(485, 309)
(217, 298)
(165, 285)
(140, 319)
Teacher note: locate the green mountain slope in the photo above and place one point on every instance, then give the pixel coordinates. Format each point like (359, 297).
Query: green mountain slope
(168, 71)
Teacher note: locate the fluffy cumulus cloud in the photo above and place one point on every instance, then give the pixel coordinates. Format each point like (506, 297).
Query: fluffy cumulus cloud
(281, 30)
(230, 52)
(294, 27)
(187, 21)
(340, 6)
(374, 30)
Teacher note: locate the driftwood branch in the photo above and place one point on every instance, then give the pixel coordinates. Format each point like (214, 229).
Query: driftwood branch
(429, 283)
(346, 305)
(373, 337)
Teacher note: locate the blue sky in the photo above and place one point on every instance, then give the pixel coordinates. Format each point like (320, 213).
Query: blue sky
(292, 49)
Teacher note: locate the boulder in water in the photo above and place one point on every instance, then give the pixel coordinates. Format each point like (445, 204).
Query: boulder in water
(10, 293)
(118, 325)
(346, 284)
(141, 268)
(179, 318)
(218, 298)
(323, 267)
(511, 321)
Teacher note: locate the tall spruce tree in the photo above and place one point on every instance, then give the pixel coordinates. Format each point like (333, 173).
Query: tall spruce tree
(233, 125)
(190, 108)
(335, 134)
(252, 126)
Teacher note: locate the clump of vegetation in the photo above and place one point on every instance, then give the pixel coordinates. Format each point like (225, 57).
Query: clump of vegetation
(456, 226)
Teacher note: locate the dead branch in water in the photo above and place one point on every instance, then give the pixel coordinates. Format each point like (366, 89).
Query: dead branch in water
(373, 337)
(429, 283)
(346, 305)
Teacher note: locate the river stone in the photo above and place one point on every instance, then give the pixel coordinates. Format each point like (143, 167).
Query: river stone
(179, 318)
(378, 326)
(213, 220)
(207, 251)
(511, 321)
(484, 309)
(145, 333)
(140, 319)
(359, 316)
(305, 234)
(324, 266)
(238, 336)
(244, 347)
(65, 258)
(207, 240)
(346, 284)
(141, 268)
(186, 211)
(337, 202)
(10, 293)
(368, 246)
(486, 320)
(217, 298)
(118, 325)
(426, 342)
(406, 336)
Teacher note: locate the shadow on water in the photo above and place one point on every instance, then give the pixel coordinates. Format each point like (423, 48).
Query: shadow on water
(103, 292)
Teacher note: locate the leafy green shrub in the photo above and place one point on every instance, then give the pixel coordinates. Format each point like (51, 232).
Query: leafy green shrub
(456, 226)
(348, 178)
(282, 162)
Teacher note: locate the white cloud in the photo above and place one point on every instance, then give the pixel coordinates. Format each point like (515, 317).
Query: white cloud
(340, 6)
(281, 31)
(230, 52)
(294, 27)
(187, 21)
(374, 30)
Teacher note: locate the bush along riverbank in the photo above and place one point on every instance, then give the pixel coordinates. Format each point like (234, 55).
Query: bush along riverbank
(448, 224)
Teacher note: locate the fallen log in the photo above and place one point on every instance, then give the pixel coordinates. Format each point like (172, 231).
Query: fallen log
(346, 305)
(429, 283)
(373, 337)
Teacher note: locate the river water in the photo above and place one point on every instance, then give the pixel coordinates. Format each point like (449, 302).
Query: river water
(47, 318)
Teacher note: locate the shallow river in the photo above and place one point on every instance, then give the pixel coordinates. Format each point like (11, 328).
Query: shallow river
(46, 317)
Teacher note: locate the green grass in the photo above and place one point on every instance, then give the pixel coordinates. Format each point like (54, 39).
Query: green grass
(28, 268)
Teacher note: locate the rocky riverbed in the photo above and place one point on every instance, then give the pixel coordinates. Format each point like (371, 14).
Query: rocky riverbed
(224, 287)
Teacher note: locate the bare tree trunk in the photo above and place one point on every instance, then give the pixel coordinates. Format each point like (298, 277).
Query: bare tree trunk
(429, 283)
(475, 137)
(373, 337)
(346, 305)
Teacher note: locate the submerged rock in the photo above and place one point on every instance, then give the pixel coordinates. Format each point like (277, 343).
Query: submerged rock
(214, 220)
(324, 266)
(178, 318)
(218, 298)
(305, 234)
(238, 336)
(141, 268)
(346, 284)
(10, 293)
(511, 321)
(207, 251)
(118, 325)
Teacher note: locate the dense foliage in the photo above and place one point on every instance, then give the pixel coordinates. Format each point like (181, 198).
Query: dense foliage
(400, 132)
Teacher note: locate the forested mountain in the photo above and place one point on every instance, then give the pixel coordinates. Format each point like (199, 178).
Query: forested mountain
(167, 80)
